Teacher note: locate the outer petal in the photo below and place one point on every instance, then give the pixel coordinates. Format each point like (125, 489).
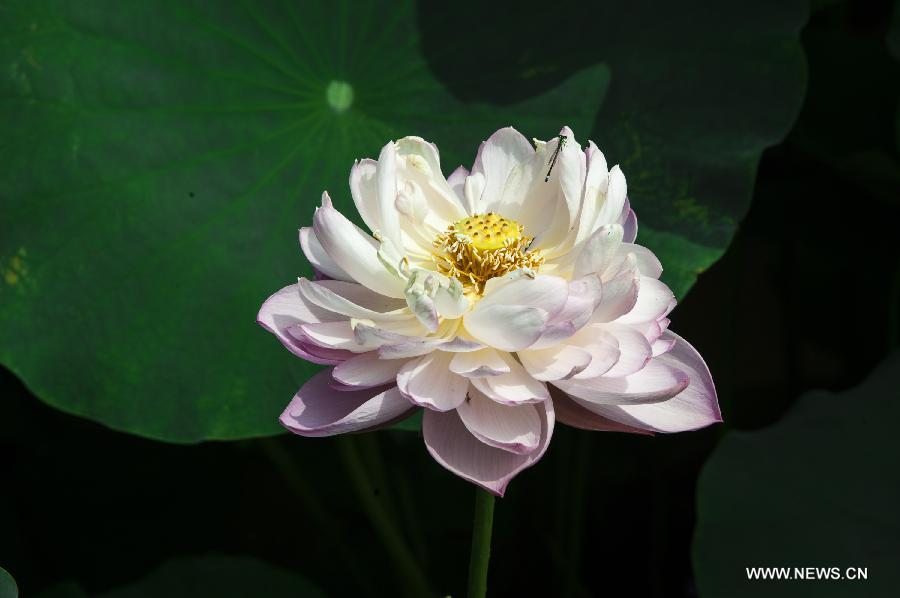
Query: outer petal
(304, 348)
(628, 220)
(315, 255)
(333, 335)
(572, 414)
(453, 446)
(367, 370)
(516, 429)
(352, 300)
(428, 382)
(655, 383)
(354, 251)
(283, 313)
(695, 407)
(318, 410)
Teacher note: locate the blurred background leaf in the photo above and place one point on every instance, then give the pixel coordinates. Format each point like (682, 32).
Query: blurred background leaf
(792, 305)
(698, 91)
(817, 489)
(161, 156)
(211, 575)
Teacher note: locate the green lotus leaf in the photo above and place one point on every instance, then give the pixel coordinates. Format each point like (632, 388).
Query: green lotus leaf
(160, 157)
(820, 488)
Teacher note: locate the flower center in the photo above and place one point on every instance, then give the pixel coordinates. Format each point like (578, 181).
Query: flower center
(475, 249)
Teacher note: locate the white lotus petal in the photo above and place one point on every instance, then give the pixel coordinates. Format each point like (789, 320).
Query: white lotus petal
(504, 152)
(616, 193)
(428, 382)
(367, 370)
(337, 296)
(513, 428)
(655, 383)
(555, 363)
(694, 407)
(478, 364)
(654, 301)
(317, 257)
(386, 184)
(354, 251)
(516, 387)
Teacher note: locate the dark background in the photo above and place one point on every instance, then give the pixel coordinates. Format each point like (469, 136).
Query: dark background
(806, 297)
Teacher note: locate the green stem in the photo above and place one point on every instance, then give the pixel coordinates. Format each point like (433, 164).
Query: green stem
(482, 524)
(408, 569)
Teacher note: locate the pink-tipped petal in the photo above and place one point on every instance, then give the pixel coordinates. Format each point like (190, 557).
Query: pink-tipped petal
(516, 429)
(572, 414)
(695, 407)
(555, 363)
(628, 220)
(654, 301)
(655, 383)
(318, 410)
(453, 446)
(428, 382)
(302, 346)
(603, 347)
(285, 312)
(332, 335)
(634, 350)
(584, 295)
(514, 388)
(478, 364)
(661, 346)
(367, 370)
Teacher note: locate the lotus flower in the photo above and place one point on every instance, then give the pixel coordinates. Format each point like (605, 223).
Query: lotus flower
(499, 300)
